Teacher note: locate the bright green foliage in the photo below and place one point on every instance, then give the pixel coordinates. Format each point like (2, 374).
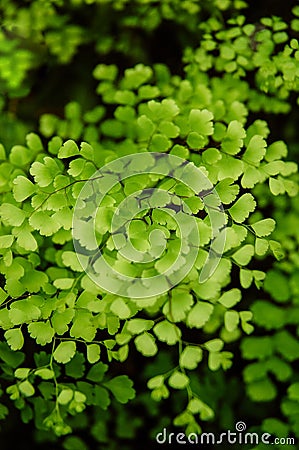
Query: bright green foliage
(199, 314)
(121, 388)
(263, 227)
(145, 344)
(242, 208)
(65, 351)
(78, 334)
(190, 357)
(178, 380)
(14, 338)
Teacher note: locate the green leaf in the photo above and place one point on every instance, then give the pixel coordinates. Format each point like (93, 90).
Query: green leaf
(26, 240)
(146, 127)
(3, 295)
(178, 380)
(83, 326)
(44, 173)
(121, 388)
(136, 76)
(20, 156)
(101, 397)
(5, 321)
(233, 139)
(278, 285)
(216, 360)
(242, 208)
(120, 308)
(167, 332)
(63, 283)
(261, 246)
(44, 373)
(275, 151)
(60, 320)
(76, 167)
(215, 345)
(34, 142)
(34, 280)
(229, 167)
(184, 418)
(201, 121)
(65, 396)
(196, 406)
(12, 215)
(125, 114)
(13, 392)
(276, 249)
(286, 345)
(255, 371)
(124, 337)
(190, 357)
(159, 143)
(123, 353)
(276, 186)
(105, 72)
(74, 443)
(227, 191)
(246, 278)
(155, 382)
(159, 198)
(274, 167)
(256, 150)
(199, 314)
(169, 129)
(11, 357)
(15, 338)
(44, 223)
(268, 315)
(70, 259)
(148, 92)
(178, 306)
(262, 390)
(136, 326)
(23, 311)
(22, 372)
(195, 140)
(68, 150)
(75, 368)
(65, 351)
(231, 320)
(2, 153)
(276, 427)
(22, 188)
(195, 204)
(293, 391)
(254, 347)
(160, 393)
(125, 97)
(244, 255)
(112, 128)
(251, 177)
(97, 372)
(146, 344)
(26, 388)
(42, 332)
(211, 156)
(54, 145)
(6, 241)
(93, 353)
(230, 298)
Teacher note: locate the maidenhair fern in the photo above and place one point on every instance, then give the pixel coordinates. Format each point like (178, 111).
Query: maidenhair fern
(68, 340)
